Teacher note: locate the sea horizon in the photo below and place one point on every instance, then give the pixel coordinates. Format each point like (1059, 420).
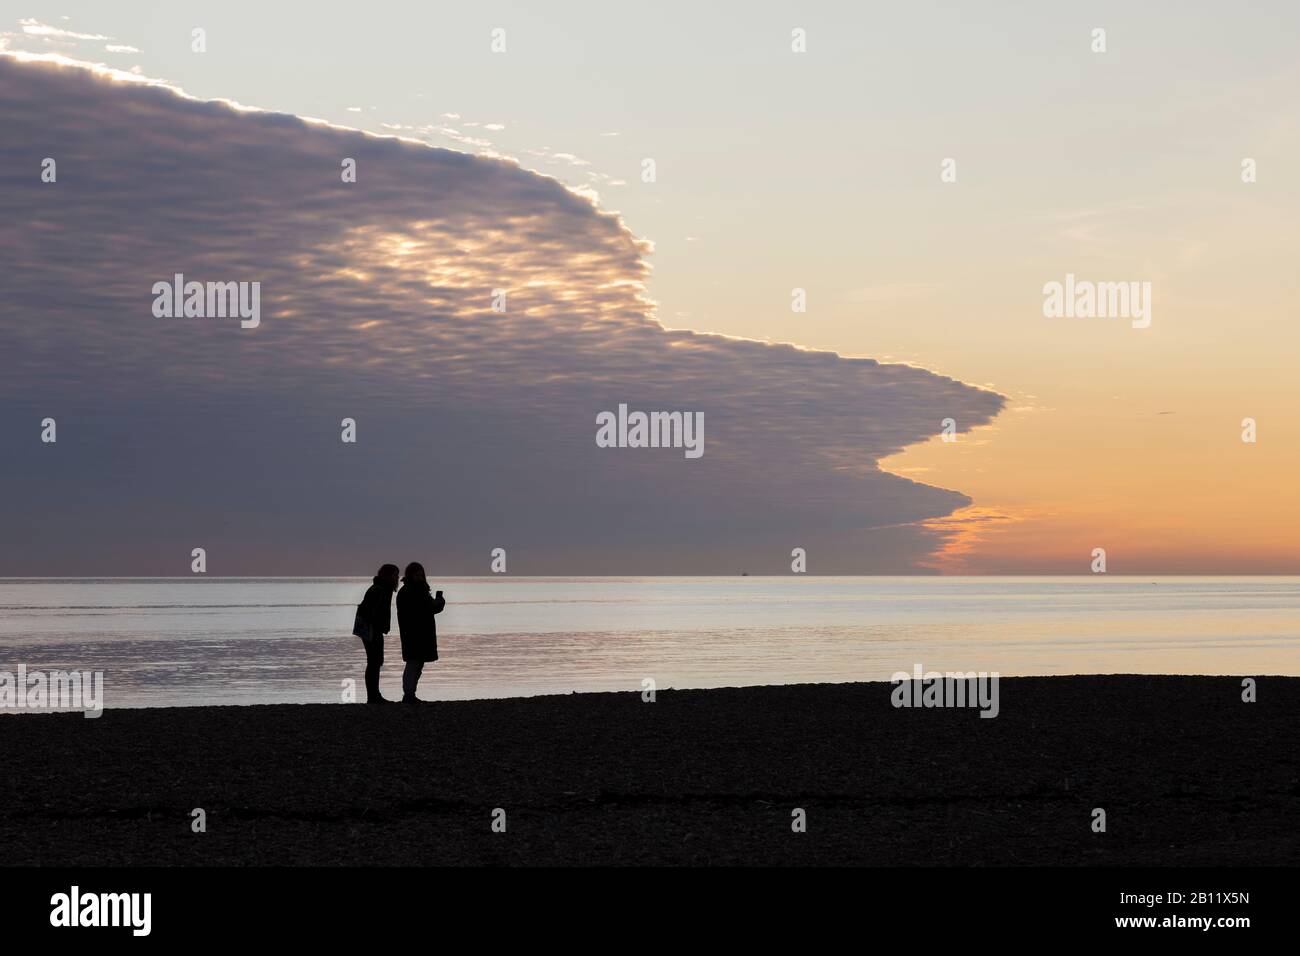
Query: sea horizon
(200, 641)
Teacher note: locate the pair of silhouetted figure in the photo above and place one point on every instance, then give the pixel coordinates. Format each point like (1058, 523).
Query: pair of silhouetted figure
(416, 608)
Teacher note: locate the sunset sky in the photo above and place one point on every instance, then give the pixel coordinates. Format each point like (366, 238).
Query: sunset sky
(775, 170)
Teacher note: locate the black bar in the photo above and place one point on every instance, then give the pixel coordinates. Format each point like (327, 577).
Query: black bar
(383, 906)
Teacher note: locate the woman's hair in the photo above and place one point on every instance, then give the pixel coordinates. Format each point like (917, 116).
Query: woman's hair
(415, 573)
(385, 571)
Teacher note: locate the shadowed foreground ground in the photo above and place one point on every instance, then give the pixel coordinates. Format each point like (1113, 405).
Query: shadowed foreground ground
(1187, 774)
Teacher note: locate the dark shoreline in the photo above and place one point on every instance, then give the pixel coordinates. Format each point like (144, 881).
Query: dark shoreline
(1187, 773)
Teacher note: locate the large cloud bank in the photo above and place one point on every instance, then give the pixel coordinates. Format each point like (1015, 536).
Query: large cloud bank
(476, 428)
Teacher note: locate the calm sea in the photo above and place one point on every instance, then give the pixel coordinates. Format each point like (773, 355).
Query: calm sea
(168, 642)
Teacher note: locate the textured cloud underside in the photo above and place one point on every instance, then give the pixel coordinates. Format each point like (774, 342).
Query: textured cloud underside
(476, 428)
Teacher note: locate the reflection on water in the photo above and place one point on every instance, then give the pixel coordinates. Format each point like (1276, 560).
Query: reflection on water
(165, 642)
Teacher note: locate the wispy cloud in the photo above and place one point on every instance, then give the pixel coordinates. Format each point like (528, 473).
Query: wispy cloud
(38, 29)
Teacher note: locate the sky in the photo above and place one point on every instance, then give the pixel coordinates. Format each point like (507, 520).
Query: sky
(774, 171)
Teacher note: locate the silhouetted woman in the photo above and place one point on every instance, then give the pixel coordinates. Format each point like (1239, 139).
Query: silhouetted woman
(375, 610)
(415, 610)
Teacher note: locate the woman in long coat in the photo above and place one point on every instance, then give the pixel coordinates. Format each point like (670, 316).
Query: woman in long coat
(374, 611)
(416, 608)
